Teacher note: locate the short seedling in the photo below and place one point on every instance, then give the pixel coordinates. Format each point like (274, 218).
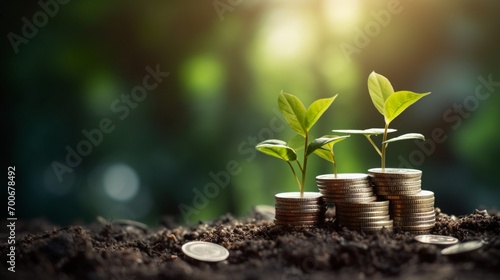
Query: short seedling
(390, 104)
(301, 120)
(326, 151)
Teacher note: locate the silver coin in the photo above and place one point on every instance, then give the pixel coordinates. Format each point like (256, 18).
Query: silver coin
(394, 171)
(205, 251)
(463, 247)
(343, 177)
(436, 239)
(296, 196)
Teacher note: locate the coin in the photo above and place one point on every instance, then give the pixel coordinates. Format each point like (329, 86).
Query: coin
(307, 196)
(423, 195)
(363, 214)
(395, 183)
(356, 199)
(366, 204)
(300, 211)
(342, 177)
(395, 172)
(400, 203)
(298, 215)
(362, 222)
(412, 215)
(340, 191)
(412, 224)
(205, 251)
(346, 195)
(344, 184)
(386, 194)
(416, 227)
(406, 212)
(436, 239)
(299, 205)
(463, 247)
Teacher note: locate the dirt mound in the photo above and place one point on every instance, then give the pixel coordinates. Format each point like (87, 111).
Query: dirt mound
(258, 250)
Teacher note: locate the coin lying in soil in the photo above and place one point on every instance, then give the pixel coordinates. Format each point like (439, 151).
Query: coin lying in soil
(462, 247)
(205, 251)
(436, 239)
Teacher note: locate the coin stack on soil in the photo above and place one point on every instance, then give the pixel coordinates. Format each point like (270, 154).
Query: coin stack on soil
(294, 210)
(411, 208)
(346, 187)
(356, 205)
(366, 216)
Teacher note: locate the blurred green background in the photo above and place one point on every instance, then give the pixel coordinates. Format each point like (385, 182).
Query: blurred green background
(227, 62)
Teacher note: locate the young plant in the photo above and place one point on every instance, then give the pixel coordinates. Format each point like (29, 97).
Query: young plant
(301, 120)
(390, 104)
(326, 151)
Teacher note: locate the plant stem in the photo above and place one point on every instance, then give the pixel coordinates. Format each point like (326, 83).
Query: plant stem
(384, 146)
(304, 167)
(374, 145)
(294, 174)
(334, 164)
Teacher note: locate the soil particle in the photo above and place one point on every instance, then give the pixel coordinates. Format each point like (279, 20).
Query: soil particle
(258, 250)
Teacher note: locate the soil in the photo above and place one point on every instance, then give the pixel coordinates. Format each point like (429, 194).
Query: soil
(258, 250)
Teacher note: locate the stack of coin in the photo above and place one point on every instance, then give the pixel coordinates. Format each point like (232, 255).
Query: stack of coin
(367, 216)
(396, 181)
(413, 213)
(411, 208)
(346, 187)
(295, 210)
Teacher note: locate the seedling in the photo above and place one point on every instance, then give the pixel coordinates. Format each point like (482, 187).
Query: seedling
(301, 120)
(390, 104)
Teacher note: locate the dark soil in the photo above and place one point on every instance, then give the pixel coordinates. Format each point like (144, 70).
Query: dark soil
(258, 250)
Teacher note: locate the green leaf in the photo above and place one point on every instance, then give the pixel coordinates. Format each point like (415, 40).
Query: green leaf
(398, 102)
(325, 154)
(293, 111)
(406, 136)
(370, 131)
(278, 149)
(322, 141)
(380, 89)
(316, 109)
(273, 142)
(377, 131)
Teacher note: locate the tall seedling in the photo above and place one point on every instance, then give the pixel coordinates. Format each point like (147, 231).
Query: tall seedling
(390, 104)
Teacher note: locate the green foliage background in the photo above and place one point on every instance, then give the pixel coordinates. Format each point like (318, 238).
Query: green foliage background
(226, 71)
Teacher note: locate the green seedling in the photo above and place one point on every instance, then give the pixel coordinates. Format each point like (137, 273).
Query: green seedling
(326, 151)
(301, 120)
(390, 104)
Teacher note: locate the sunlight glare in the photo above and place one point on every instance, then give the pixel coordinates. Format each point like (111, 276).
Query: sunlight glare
(287, 35)
(341, 14)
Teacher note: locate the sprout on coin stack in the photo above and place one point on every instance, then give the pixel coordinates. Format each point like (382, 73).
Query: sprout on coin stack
(352, 193)
(411, 208)
(409, 205)
(356, 205)
(298, 208)
(390, 104)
